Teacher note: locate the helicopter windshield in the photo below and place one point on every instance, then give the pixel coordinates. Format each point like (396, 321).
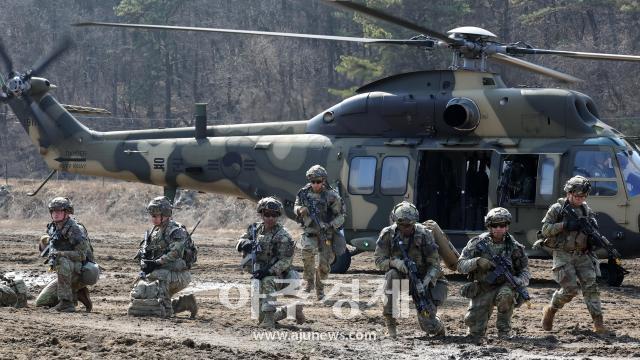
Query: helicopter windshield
(597, 165)
(630, 167)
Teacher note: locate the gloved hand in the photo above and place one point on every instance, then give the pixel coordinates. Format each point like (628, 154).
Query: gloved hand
(537, 245)
(571, 224)
(244, 245)
(485, 264)
(149, 265)
(303, 211)
(260, 274)
(399, 265)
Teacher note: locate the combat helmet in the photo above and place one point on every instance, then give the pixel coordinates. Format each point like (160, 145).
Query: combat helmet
(316, 171)
(160, 206)
(405, 213)
(269, 203)
(61, 203)
(497, 215)
(578, 184)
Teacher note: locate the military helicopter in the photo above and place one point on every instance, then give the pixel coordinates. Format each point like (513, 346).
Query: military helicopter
(456, 142)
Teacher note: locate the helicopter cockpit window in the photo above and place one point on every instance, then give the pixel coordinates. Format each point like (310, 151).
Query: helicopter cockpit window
(630, 168)
(517, 183)
(597, 165)
(394, 175)
(362, 175)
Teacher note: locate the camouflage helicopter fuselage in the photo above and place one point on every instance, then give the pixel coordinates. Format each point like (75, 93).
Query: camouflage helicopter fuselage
(412, 116)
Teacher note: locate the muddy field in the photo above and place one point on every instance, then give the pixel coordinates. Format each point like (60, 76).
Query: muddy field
(224, 329)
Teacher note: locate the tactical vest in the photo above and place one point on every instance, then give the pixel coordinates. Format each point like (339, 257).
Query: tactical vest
(573, 240)
(64, 241)
(504, 249)
(268, 244)
(418, 246)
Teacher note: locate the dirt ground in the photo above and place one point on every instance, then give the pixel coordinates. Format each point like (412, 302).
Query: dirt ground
(224, 332)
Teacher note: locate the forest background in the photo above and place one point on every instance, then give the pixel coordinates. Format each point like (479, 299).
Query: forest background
(152, 79)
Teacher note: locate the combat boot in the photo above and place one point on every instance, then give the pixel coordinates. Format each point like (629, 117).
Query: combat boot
(280, 314)
(599, 328)
(268, 321)
(65, 306)
(83, 297)
(319, 294)
(547, 317)
(300, 318)
(309, 287)
(392, 324)
(185, 303)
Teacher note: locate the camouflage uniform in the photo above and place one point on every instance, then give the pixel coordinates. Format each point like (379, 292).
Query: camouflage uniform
(274, 255)
(330, 209)
(423, 250)
(72, 250)
(574, 266)
(485, 296)
(166, 245)
(13, 292)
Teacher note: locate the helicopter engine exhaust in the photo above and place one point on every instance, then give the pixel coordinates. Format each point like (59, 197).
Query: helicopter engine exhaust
(462, 114)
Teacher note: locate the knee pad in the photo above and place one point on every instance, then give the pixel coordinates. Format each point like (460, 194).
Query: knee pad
(505, 303)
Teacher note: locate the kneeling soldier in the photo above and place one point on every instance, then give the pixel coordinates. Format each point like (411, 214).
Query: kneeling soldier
(268, 254)
(405, 237)
(68, 249)
(477, 261)
(162, 259)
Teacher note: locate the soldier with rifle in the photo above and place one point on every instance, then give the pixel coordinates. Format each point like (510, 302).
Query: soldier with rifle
(67, 250)
(166, 255)
(268, 255)
(570, 229)
(498, 271)
(407, 250)
(320, 211)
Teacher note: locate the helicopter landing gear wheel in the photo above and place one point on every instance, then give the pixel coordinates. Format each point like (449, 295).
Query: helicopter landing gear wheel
(342, 263)
(612, 274)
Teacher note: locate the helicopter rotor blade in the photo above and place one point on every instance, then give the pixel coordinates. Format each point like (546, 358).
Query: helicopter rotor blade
(513, 50)
(61, 47)
(416, 42)
(6, 58)
(509, 60)
(380, 15)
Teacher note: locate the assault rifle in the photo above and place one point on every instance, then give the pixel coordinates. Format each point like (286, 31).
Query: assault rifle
(596, 240)
(502, 270)
(50, 251)
(311, 205)
(147, 266)
(421, 297)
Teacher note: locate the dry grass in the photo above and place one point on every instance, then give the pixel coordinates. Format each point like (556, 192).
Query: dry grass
(118, 205)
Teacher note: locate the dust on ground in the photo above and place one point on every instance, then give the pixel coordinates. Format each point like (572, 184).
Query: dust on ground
(227, 331)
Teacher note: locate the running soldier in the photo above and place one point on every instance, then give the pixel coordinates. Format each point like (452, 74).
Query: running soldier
(574, 265)
(321, 212)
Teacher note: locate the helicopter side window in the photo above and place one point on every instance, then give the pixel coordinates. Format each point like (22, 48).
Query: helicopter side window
(394, 175)
(597, 165)
(362, 175)
(630, 168)
(546, 176)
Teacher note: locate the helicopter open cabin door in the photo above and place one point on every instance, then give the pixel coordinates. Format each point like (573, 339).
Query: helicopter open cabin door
(526, 184)
(608, 196)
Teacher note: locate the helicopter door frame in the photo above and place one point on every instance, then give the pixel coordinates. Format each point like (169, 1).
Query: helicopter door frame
(367, 194)
(618, 203)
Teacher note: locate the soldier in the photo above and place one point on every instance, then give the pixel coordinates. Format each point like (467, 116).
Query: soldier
(321, 211)
(162, 258)
(70, 249)
(574, 266)
(13, 291)
(423, 250)
(273, 248)
(478, 265)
